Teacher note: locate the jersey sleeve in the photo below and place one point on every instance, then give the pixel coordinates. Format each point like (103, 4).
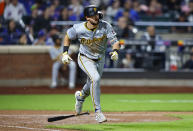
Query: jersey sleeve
(72, 33)
(111, 35)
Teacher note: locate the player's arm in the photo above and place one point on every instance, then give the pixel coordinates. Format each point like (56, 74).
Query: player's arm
(114, 54)
(70, 35)
(116, 46)
(111, 35)
(66, 41)
(65, 56)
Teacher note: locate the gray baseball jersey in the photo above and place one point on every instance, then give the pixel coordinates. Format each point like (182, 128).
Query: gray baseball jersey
(93, 44)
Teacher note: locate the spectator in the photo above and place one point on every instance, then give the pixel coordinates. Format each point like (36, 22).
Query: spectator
(56, 4)
(189, 63)
(152, 38)
(76, 8)
(154, 56)
(52, 12)
(23, 40)
(187, 14)
(56, 9)
(173, 5)
(28, 4)
(64, 15)
(128, 62)
(86, 2)
(150, 34)
(53, 32)
(112, 10)
(155, 8)
(29, 24)
(65, 2)
(142, 2)
(56, 54)
(96, 2)
(137, 7)
(190, 13)
(3, 4)
(128, 9)
(11, 34)
(45, 38)
(43, 22)
(40, 6)
(41, 40)
(14, 11)
(124, 28)
(30, 20)
(180, 29)
(71, 15)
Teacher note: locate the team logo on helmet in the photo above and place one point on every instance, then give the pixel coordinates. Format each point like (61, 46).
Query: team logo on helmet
(95, 9)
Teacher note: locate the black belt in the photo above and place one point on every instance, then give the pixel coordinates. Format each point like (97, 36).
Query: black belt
(95, 60)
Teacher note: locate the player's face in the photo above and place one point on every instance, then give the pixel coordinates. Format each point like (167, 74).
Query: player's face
(94, 20)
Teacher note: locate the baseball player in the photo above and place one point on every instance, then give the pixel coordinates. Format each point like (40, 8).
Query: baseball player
(92, 35)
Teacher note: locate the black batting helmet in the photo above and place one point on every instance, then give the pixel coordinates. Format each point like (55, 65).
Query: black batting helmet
(92, 10)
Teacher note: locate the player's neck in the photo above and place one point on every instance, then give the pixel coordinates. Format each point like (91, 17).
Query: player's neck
(90, 26)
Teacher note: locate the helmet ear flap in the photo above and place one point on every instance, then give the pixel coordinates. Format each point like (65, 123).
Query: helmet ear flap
(100, 15)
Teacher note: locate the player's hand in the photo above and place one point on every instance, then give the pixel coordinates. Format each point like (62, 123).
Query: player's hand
(66, 58)
(114, 55)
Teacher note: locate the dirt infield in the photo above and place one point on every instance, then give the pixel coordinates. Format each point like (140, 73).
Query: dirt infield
(37, 120)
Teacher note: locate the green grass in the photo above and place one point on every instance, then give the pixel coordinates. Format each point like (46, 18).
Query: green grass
(185, 124)
(109, 102)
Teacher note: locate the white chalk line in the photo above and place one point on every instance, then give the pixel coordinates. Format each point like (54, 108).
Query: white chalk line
(155, 101)
(28, 128)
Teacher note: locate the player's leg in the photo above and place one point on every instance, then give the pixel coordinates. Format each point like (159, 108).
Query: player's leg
(98, 113)
(100, 67)
(55, 70)
(72, 74)
(90, 68)
(86, 88)
(81, 95)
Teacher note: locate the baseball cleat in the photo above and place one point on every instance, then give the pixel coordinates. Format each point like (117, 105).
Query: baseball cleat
(79, 102)
(100, 118)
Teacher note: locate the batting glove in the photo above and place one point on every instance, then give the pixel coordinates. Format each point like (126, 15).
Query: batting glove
(66, 58)
(114, 55)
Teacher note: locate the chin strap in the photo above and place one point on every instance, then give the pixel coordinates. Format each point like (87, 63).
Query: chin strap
(100, 15)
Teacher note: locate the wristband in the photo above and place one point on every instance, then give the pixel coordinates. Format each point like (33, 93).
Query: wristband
(116, 50)
(65, 48)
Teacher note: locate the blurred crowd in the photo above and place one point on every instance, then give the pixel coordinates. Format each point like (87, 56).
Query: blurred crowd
(27, 22)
